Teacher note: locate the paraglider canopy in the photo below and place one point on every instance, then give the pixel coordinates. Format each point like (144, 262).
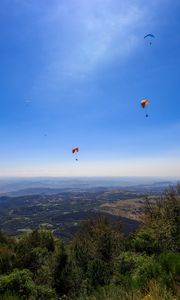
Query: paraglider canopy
(144, 102)
(75, 150)
(149, 36)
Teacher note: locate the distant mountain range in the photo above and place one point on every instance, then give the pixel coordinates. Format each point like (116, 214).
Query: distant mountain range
(31, 186)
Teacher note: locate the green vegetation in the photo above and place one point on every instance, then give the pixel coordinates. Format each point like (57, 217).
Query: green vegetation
(99, 262)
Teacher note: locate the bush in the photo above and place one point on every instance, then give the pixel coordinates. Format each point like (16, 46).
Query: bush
(7, 259)
(45, 293)
(18, 282)
(133, 270)
(155, 292)
(167, 270)
(9, 296)
(145, 241)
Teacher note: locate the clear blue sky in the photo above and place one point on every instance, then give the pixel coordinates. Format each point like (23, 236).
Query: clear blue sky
(73, 74)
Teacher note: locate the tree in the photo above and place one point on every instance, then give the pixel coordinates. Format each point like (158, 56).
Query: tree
(95, 247)
(19, 282)
(162, 221)
(7, 259)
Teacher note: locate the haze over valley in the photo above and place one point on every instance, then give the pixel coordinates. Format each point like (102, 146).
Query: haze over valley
(60, 204)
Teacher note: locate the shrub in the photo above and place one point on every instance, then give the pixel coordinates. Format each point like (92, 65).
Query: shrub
(18, 282)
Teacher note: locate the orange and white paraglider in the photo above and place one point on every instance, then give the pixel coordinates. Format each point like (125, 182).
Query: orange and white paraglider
(144, 103)
(74, 151)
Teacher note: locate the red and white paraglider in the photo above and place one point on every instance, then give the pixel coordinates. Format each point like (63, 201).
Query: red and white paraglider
(75, 151)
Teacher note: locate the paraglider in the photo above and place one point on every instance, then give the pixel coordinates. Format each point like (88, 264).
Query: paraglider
(144, 103)
(149, 36)
(28, 101)
(74, 151)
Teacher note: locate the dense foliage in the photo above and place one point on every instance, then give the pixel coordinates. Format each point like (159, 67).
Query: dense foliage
(99, 263)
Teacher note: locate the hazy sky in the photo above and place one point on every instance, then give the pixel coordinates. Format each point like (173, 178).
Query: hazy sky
(73, 73)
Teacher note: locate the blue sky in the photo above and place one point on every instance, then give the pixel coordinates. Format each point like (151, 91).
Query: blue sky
(73, 74)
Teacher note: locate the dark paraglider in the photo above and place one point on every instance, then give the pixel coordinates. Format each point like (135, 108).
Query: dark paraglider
(150, 37)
